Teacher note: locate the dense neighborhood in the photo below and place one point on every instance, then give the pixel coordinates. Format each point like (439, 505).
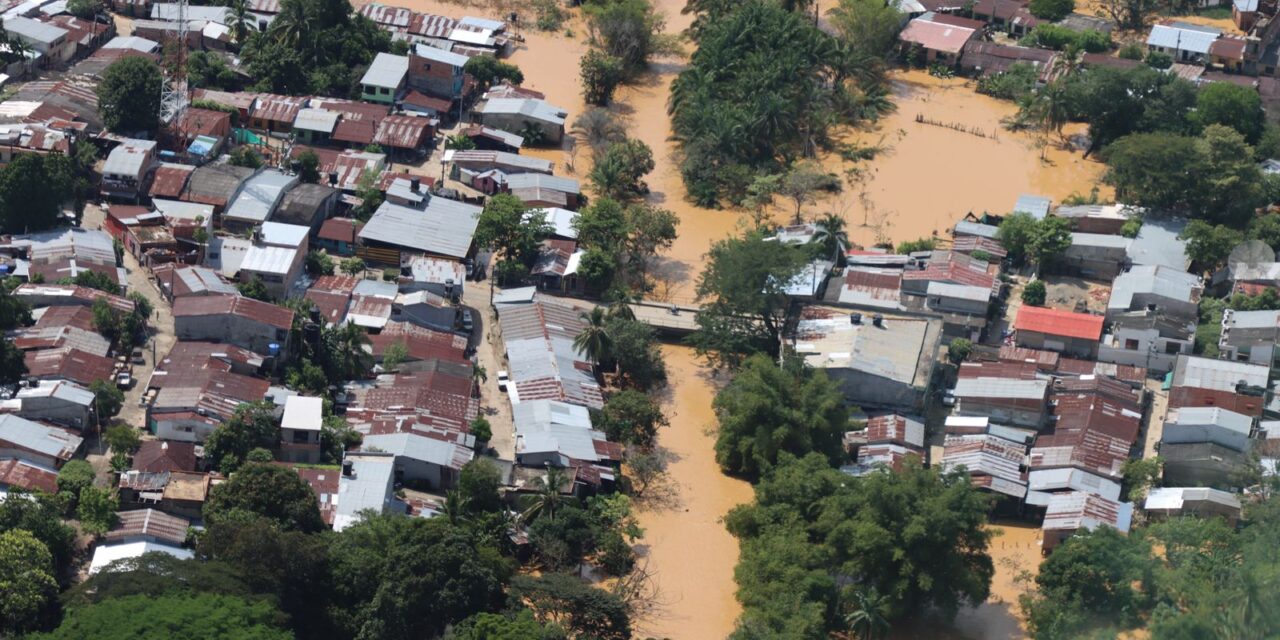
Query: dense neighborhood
(329, 321)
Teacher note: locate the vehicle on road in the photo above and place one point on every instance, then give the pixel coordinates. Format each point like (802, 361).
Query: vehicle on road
(503, 379)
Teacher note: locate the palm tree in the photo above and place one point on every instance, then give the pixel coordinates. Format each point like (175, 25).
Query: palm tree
(866, 620)
(532, 134)
(593, 341)
(455, 506)
(832, 235)
(291, 26)
(620, 306)
(598, 128)
(239, 20)
(352, 340)
(547, 497)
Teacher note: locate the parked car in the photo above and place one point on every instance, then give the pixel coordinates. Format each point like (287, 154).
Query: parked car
(467, 321)
(503, 379)
(137, 357)
(124, 380)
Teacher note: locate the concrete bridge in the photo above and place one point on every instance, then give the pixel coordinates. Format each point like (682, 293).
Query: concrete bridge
(667, 317)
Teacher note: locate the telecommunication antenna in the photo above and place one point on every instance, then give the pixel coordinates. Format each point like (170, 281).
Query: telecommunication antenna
(173, 93)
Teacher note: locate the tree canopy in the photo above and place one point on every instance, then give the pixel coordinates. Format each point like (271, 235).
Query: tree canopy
(267, 490)
(252, 426)
(26, 575)
(129, 95)
(816, 542)
(168, 616)
(768, 410)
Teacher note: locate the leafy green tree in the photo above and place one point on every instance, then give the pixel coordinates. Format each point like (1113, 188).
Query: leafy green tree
(593, 342)
(1092, 576)
(478, 482)
(1231, 105)
(1209, 245)
(958, 350)
(84, 9)
(547, 497)
(267, 490)
(582, 610)
(13, 366)
(253, 425)
(129, 95)
(410, 577)
(488, 70)
(746, 305)
(1052, 239)
(31, 195)
(123, 438)
(309, 167)
(481, 429)
(631, 417)
(1154, 170)
(290, 566)
(1265, 228)
(336, 437)
(1017, 232)
(601, 74)
(1231, 183)
(767, 410)
(14, 312)
(168, 616)
(319, 263)
(94, 280)
(255, 288)
(628, 30)
(919, 244)
(493, 626)
(108, 399)
(506, 224)
(97, 510)
(917, 536)
(1034, 293)
(245, 156)
(41, 515)
(1052, 10)
(868, 28)
(74, 476)
(157, 574)
(26, 573)
(207, 70)
(353, 266)
(634, 351)
(619, 173)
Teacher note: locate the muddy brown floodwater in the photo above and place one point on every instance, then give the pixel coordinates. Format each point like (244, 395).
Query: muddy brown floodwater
(927, 178)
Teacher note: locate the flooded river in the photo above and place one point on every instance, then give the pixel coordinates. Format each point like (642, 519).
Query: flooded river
(926, 178)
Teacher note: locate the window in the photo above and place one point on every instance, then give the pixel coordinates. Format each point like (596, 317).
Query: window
(1172, 348)
(1131, 344)
(300, 437)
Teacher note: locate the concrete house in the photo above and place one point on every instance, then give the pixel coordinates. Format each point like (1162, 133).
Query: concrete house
(1172, 292)
(1203, 464)
(443, 228)
(1208, 424)
(1147, 339)
(244, 322)
(128, 169)
(300, 429)
(879, 362)
(425, 309)
(53, 43)
(558, 434)
(36, 442)
(1184, 41)
(278, 267)
(436, 72)
(1175, 502)
(1056, 330)
(307, 205)
(58, 401)
(384, 82)
(367, 483)
(516, 115)
(257, 199)
(1250, 336)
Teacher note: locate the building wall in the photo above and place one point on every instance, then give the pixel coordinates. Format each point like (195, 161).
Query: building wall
(1192, 433)
(1092, 262)
(1200, 473)
(54, 410)
(1086, 349)
(435, 78)
(944, 304)
(514, 123)
(425, 315)
(867, 390)
(235, 330)
(7, 451)
(422, 471)
(181, 430)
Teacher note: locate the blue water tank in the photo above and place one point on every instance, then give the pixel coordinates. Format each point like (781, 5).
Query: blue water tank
(273, 349)
(4, 269)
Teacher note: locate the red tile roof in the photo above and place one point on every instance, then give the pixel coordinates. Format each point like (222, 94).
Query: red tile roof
(340, 230)
(1056, 322)
(162, 455)
(1198, 397)
(71, 364)
(332, 304)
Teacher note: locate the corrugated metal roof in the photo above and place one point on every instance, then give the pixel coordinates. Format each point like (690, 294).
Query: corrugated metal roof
(445, 227)
(1000, 388)
(1079, 510)
(531, 108)
(1073, 480)
(149, 523)
(1154, 280)
(416, 447)
(1056, 322)
(264, 312)
(387, 71)
(1220, 375)
(54, 442)
(543, 361)
(273, 260)
(317, 119)
(130, 158)
(259, 196)
(403, 132)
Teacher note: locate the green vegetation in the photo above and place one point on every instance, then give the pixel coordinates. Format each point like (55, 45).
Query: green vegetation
(919, 244)
(1034, 293)
(619, 172)
(630, 417)
(1037, 241)
(768, 411)
(1015, 84)
(488, 70)
(1051, 10)
(784, 87)
(601, 74)
(319, 263)
(245, 156)
(958, 350)
(266, 490)
(818, 546)
(313, 46)
(129, 95)
(208, 70)
(255, 288)
(506, 224)
(168, 616)
(33, 189)
(746, 305)
(26, 573)
(1052, 36)
(96, 510)
(252, 426)
(1209, 245)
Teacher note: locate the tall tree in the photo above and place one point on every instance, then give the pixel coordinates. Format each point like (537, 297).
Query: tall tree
(252, 426)
(743, 287)
(593, 341)
(26, 575)
(267, 490)
(767, 410)
(169, 616)
(129, 95)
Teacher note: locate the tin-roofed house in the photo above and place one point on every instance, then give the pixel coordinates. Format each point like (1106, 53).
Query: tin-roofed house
(939, 38)
(1151, 317)
(434, 461)
(443, 228)
(1250, 336)
(36, 442)
(524, 116)
(59, 401)
(1069, 512)
(1208, 424)
(384, 82)
(300, 428)
(244, 322)
(1184, 41)
(307, 205)
(436, 72)
(1176, 502)
(1094, 255)
(53, 43)
(257, 199)
(1056, 330)
(1009, 401)
(278, 267)
(316, 126)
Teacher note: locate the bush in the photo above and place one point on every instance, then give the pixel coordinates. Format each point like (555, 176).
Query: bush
(1019, 81)
(1133, 51)
(1051, 10)
(1052, 36)
(1159, 60)
(919, 244)
(1131, 227)
(390, 274)
(1034, 293)
(959, 350)
(481, 429)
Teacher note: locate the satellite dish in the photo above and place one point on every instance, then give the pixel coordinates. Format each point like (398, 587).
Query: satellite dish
(1252, 253)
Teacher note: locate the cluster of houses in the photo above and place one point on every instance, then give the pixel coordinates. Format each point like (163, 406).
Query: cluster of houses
(1047, 419)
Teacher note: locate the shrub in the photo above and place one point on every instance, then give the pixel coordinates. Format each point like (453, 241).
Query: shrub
(1034, 293)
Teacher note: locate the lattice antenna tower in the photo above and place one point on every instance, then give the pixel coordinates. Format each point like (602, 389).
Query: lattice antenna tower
(174, 96)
